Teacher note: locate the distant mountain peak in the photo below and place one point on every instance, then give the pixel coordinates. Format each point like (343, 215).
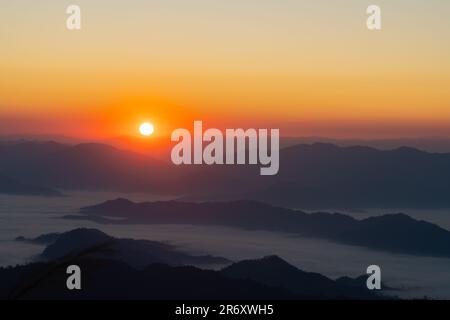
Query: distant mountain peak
(120, 200)
(409, 150)
(271, 259)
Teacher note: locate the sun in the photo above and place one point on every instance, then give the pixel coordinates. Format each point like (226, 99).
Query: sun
(146, 129)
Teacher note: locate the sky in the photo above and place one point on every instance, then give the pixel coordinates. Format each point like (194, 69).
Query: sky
(310, 68)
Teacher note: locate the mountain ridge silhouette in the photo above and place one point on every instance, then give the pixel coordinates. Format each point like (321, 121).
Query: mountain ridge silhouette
(112, 278)
(397, 233)
(312, 176)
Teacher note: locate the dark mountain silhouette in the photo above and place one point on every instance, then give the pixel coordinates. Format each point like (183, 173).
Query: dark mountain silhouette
(105, 276)
(14, 187)
(392, 232)
(310, 176)
(94, 166)
(158, 147)
(137, 253)
(275, 272)
(112, 279)
(85, 166)
(327, 176)
(14, 138)
(427, 144)
(432, 144)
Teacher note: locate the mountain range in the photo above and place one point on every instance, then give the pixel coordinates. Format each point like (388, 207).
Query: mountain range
(396, 233)
(269, 278)
(84, 166)
(136, 253)
(316, 176)
(326, 176)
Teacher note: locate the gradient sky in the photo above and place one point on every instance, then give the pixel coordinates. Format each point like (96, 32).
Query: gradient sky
(307, 67)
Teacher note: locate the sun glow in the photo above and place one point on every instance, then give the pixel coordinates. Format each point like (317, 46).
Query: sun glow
(146, 129)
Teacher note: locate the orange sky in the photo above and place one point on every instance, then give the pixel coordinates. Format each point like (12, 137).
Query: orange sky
(307, 67)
